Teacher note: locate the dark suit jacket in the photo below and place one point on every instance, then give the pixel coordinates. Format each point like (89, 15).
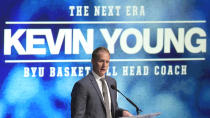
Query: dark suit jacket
(87, 101)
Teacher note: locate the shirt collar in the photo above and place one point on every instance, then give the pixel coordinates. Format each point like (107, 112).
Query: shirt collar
(97, 76)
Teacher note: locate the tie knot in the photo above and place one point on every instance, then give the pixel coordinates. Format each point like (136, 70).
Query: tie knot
(102, 79)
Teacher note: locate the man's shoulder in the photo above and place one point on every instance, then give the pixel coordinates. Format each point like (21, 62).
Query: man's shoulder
(111, 79)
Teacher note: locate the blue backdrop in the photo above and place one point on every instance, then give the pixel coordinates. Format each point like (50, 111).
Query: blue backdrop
(159, 54)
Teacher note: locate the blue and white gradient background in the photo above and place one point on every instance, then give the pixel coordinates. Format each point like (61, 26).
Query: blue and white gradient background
(174, 96)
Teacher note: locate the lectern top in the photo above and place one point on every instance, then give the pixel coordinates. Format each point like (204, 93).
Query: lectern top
(152, 115)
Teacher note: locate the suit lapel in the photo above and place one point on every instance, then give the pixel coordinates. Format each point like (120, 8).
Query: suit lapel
(110, 89)
(95, 85)
(109, 83)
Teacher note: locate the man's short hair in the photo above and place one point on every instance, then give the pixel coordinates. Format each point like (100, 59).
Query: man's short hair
(95, 52)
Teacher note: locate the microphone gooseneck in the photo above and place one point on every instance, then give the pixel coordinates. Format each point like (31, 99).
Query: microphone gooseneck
(137, 108)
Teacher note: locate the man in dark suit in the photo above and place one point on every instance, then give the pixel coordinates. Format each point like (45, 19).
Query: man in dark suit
(92, 96)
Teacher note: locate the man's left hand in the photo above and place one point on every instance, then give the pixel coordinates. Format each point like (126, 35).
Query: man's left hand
(126, 114)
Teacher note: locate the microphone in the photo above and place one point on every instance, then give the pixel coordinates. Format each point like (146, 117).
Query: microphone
(137, 108)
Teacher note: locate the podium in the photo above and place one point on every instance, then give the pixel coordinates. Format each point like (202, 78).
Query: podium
(152, 115)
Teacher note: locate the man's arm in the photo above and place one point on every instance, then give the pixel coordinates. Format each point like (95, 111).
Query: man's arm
(78, 101)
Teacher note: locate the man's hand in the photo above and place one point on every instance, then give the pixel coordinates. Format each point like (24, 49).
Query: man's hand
(126, 114)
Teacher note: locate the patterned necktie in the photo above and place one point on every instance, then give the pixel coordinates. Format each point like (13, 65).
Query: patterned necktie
(106, 99)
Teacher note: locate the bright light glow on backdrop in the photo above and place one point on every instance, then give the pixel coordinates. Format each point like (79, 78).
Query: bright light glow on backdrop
(159, 54)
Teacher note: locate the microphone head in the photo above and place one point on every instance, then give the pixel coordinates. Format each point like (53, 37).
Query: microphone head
(113, 87)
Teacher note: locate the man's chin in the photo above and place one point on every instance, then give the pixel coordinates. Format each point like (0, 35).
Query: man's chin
(102, 73)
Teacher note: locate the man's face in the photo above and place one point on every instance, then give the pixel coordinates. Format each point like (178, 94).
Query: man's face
(101, 64)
